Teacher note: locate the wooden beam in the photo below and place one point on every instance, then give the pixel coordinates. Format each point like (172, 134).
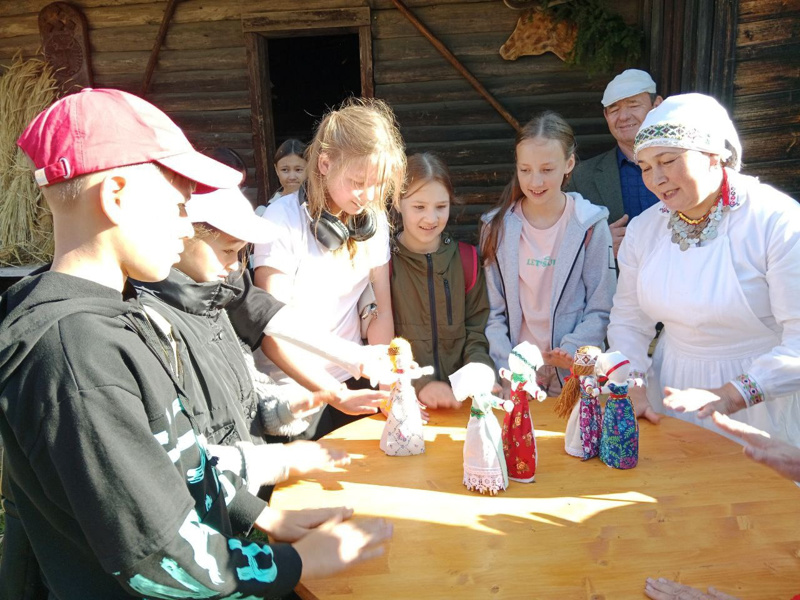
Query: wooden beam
(295, 20)
(450, 57)
(169, 10)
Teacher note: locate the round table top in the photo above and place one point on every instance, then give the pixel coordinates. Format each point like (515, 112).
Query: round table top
(695, 509)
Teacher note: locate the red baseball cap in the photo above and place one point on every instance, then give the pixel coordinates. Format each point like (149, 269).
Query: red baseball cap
(98, 129)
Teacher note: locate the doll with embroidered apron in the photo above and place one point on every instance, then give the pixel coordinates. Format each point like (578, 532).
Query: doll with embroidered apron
(519, 440)
(402, 435)
(579, 403)
(484, 462)
(619, 440)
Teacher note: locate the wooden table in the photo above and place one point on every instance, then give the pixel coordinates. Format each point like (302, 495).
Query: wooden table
(695, 510)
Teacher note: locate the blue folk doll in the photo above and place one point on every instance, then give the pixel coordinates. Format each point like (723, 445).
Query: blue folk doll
(619, 442)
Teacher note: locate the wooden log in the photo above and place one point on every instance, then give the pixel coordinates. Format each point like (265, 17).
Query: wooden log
(213, 139)
(179, 81)
(768, 75)
(777, 144)
(181, 36)
(437, 69)
(497, 174)
(150, 13)
(409, 48)
(190, 101)
(751, 10)
(457, 65)
(787, 53)
(760, 111)
(229, 121)
(779, 30)
(171, 60)
(431, 135)
(169, 10)
(502, 87)
(782, 174)
(28, 45)
(305, 19)
(474, 18)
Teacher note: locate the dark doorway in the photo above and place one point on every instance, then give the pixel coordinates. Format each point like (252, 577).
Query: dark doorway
(309, 75)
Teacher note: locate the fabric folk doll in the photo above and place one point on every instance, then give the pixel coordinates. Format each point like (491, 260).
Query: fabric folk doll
(484, 462)
(519, 441)
(402, 435)
(619, 442)
(578, 401)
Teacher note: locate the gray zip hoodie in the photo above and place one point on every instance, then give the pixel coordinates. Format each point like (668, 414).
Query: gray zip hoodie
(584, 283)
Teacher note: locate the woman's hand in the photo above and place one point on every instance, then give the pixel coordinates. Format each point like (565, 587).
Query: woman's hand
(725, 400)
(558, 358)
(305, 457)
(641, 405)
(665, 589)
(292, 525)
(438, 394)
(778, 455)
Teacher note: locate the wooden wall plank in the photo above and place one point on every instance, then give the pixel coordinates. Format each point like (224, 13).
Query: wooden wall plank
(751, 10)
(780, 143)
(763, 76)
(783, 28)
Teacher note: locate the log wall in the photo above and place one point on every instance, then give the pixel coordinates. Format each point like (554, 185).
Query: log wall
(201, 79)
(767, 91)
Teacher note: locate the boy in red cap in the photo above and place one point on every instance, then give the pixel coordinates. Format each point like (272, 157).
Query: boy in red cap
(104, 464)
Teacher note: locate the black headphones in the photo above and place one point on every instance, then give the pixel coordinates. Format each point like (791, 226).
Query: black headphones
(332, 233)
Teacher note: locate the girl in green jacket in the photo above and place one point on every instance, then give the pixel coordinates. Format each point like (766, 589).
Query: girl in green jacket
(439, 296)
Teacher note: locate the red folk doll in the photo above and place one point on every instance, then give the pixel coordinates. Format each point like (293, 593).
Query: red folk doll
(519, 441)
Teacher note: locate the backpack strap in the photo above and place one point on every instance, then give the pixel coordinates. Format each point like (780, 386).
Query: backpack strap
(469, 262)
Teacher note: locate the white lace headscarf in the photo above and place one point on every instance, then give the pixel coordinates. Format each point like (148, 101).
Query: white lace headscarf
(693, 122)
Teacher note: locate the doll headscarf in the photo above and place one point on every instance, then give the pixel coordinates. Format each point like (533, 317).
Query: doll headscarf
(693, 122)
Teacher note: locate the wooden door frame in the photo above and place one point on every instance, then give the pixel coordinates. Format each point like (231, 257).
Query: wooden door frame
(692, 46)
(257, 30)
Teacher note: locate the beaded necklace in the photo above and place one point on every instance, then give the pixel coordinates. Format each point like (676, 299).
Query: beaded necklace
(688, 232)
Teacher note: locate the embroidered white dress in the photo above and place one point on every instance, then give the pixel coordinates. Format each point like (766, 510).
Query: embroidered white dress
(403, 432)
(730, 307)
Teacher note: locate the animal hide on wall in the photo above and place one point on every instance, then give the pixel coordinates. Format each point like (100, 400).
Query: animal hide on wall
(537, 32)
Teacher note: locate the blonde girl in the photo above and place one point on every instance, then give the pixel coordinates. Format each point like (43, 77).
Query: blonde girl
(547, 255)
(329, 240)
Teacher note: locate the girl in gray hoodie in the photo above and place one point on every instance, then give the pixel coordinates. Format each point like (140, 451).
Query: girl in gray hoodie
(547, 255)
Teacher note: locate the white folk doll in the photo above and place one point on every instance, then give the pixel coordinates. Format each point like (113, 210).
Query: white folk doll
(402, 435)
(519, 438)
(578, 401)
(484, 462)
(619, 441)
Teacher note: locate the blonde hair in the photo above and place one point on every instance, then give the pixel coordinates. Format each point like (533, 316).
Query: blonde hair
(360, 129)
(583, 365)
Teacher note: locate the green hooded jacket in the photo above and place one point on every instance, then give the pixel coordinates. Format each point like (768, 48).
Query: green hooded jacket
(444, 323)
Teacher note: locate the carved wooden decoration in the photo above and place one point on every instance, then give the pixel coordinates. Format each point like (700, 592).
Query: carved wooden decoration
(65, 44)
(536, 33)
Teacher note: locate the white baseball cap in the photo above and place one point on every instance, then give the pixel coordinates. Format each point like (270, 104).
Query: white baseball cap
(229, 211)
(627, 84)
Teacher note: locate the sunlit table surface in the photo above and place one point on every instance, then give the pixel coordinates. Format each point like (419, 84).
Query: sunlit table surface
(695, 509)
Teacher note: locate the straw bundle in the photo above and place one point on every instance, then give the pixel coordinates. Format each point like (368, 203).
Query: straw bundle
(26, 227)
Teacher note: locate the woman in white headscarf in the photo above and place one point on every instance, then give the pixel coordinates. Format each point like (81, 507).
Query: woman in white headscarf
(718, 262)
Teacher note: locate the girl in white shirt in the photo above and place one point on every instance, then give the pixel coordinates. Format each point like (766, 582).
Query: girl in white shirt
(330, 239)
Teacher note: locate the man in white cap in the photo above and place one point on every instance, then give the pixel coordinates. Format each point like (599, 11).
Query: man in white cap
(613, 178)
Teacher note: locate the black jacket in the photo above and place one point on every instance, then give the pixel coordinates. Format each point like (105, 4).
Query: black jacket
(216, 374)
(103, 461)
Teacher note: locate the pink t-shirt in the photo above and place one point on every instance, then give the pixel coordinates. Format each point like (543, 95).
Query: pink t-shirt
(538, 253)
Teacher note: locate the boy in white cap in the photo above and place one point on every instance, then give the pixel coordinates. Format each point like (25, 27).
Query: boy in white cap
(104, 464)
(613, 178)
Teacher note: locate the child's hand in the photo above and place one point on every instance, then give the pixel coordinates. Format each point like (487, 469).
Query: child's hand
(305, 457)
(438, 394)
(293, 525)
(357, 402)
(335, 545)
(558, 358)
